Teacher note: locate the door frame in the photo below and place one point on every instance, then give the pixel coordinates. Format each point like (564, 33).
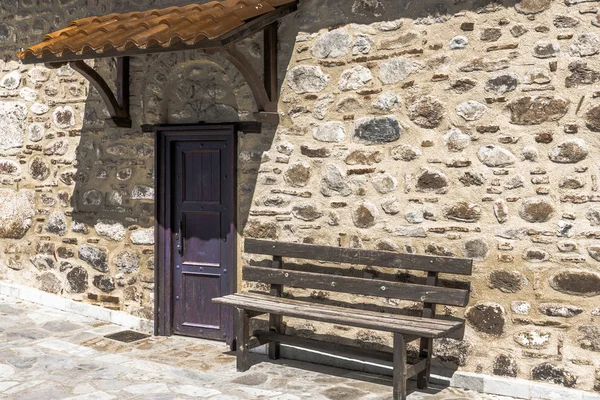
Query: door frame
(163, 273)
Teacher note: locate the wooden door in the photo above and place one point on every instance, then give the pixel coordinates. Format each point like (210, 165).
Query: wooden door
(202, 217)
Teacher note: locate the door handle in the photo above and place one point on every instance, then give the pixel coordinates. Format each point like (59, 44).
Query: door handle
(180, 238)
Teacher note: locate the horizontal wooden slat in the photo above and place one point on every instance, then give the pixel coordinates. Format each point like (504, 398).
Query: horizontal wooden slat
(424, 327)
(334, 348)
(355, 311)
(415, 366)
(368, 287)
(380, 258)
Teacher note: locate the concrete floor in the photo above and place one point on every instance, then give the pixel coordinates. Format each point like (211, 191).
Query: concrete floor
(47, 354)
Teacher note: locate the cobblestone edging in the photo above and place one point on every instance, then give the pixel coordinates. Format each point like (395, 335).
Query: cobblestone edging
(519, 388)
(87, 310)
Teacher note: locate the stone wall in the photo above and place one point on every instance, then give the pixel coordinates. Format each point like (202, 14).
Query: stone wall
(468, 130)
(77, 196)
(464, 128)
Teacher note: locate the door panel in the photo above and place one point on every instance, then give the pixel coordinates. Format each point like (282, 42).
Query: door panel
(198, 311)
(202, 243)
(202, 176)
(202, 215)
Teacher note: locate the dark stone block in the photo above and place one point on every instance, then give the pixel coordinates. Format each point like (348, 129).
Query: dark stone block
(77, 279)
(505, 365)
(506, 281)
(104, 283)
(487, 318)
(97, 258)
(551, 373)
(576, 282)
(377, 130)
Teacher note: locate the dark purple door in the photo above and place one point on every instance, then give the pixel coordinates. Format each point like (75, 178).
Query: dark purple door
(202, 206)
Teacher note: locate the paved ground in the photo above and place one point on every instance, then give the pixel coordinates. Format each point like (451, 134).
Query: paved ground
(47, 354)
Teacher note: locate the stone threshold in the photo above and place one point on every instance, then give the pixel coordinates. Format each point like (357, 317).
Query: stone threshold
(87, 310)
(517, 388)
(486, 384)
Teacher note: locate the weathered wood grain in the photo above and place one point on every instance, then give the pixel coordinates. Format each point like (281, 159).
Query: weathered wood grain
(450, 265)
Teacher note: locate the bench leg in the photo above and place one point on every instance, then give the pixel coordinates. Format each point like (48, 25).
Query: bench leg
(399, 367)
(275, 323)
(242, 333)
(426, 350)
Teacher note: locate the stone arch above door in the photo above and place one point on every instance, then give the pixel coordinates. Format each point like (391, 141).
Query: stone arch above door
(190, 86)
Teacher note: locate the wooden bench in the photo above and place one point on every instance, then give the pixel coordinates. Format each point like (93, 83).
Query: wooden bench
(403, 327)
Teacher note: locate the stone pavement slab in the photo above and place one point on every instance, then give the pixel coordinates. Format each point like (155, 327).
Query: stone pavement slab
(47, 354)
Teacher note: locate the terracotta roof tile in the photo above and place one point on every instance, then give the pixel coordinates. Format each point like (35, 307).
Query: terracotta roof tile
(163, 28)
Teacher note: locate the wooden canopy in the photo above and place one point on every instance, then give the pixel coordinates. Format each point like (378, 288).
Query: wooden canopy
(212, 26)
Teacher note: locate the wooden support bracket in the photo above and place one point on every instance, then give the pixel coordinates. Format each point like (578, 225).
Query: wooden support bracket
(265, 91)
(117, 105)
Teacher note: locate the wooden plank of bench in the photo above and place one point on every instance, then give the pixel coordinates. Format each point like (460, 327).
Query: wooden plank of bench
(426, 345)
(276, 321)
(343, 317)
(334, 310)
(450, 265)
(400, 372)
(396, 318)
(406, 325)
(368, 287)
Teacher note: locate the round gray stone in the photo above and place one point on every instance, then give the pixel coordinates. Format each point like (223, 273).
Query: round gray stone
(371, 130)
(569, 152)
(11, 81)
(406, 152)
(471, 110)
(587, 44)
(95, 257)
(502, 83)
(112, 230)
(354, 78)
(306, 212)
(458, 42)
(307, 79)
(104, 282)
(456, 140)
(397, 70)
(384, 183)
(495, 156)
(77, 279)
(331, 132)
(298, 174)
(536, 209)
(546, 49)
(127, 261)
(57, 223)
(364, 215)
(332, 44)
(333, 182)
(426, 111)
(488, 318)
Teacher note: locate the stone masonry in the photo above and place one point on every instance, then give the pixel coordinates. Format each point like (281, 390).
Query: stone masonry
(465, 128)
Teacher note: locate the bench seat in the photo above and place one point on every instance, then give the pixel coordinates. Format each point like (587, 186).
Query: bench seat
(403, 324)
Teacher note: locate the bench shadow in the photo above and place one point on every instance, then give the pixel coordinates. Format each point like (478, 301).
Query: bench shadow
(381, 378)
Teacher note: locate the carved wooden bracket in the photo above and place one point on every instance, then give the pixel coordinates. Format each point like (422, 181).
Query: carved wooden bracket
(265, 91)
(117, 104)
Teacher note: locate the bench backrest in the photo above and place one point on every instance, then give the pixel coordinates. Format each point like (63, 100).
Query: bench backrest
(429, 293)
